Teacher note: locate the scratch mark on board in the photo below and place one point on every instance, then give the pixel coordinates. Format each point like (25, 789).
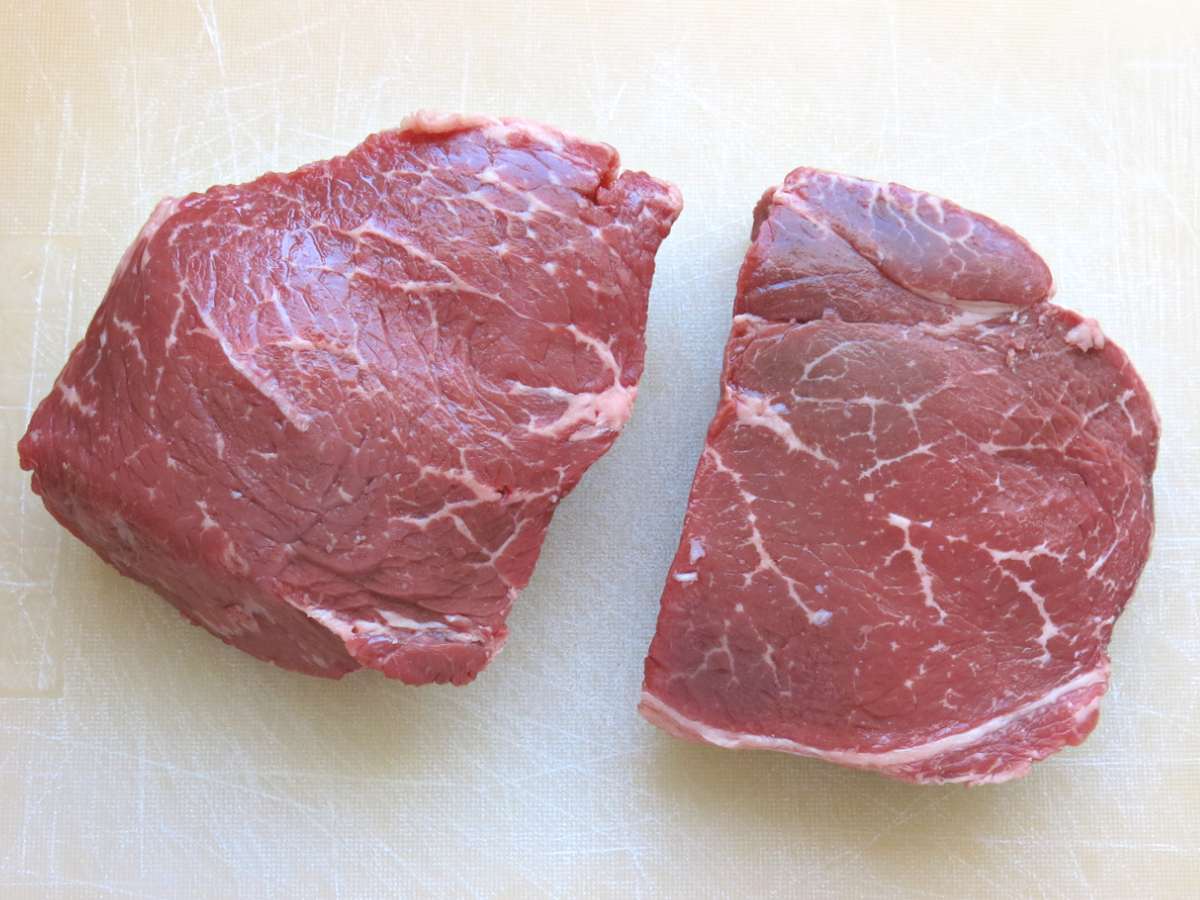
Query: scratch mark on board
(212, 28)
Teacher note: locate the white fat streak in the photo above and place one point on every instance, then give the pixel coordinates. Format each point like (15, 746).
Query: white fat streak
(744, 322)
(603, 411)
(918, 558)
(1083, 713)
(882, 462)
(71, 397)
(759, 412)
(1086, 336)
(663, 714)
(1025, 556)
(467, 479)
(282, 312)
(1049, 629)
(1027, 588)
(300, 420)
(396, 620)
(1100, 560)
(207, 521)
(131, 336)
(1134, 427)
(972, 312)
(766, 563)
(429, 121)
(173, 334)
(504, 131)
(348, 627)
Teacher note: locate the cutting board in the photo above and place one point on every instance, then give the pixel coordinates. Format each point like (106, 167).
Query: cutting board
(140, 757)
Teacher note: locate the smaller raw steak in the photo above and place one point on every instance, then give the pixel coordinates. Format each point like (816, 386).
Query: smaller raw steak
(924, 500)
(328, 414)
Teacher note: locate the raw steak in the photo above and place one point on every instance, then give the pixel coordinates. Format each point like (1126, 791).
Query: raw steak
(328, 414)
(924, 499)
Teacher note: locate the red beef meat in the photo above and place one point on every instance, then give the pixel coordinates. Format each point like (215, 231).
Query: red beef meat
(329, 414)
(923, 502)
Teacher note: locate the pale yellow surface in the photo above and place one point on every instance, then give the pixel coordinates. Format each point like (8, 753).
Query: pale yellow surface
(141, 757)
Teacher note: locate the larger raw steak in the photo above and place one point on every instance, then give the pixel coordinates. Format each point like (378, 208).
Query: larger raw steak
(329, 414)
(924, 500)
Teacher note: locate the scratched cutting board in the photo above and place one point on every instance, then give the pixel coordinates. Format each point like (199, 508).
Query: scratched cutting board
(141, 757)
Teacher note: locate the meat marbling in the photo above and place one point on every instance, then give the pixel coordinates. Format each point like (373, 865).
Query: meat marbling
(923, 502)
(328, 414)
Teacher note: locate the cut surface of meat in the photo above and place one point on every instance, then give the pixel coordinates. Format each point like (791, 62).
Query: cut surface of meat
(923, 501)
(329, 414)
